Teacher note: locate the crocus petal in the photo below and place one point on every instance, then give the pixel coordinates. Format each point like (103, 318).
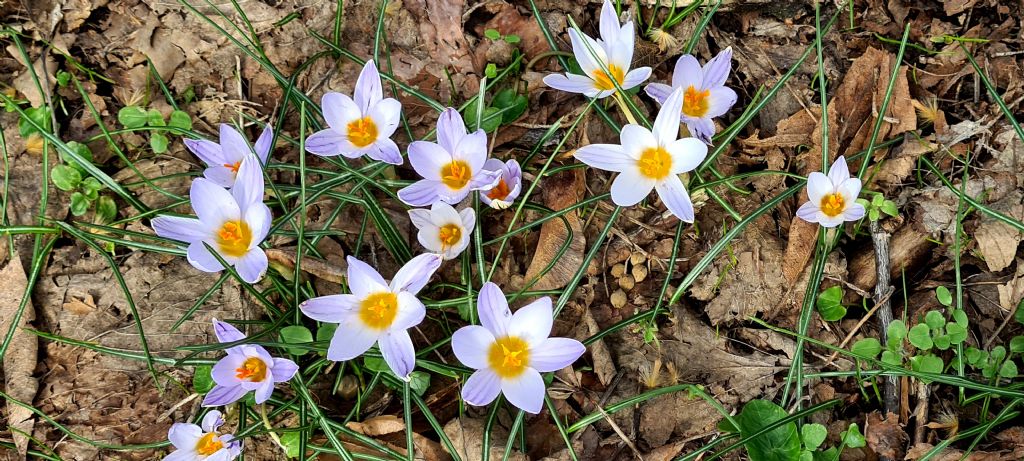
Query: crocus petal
(233, 146)
(608, 157)
(398, 352)
(350, 341)
(248, 187)
(481, 388)
(428, 159)
(589, 54)
(609, 22)
(220, 455)
(363, 279)
(221, 175)
(450, 129)
(666, 124)
(831, 221)
(849, 189)
(818, 186)
(471, 344)
(701, 128)
(673, 194)
(385, 150)
(555, 353)
(839, 171)
(413, 276)
(687, 73)
(483, 180)
(328, 143)
(181, 455)
(207, 151)
(177, 228)
(853, 212)
(658, 91)
(226, 332)
(532, 322)
(331, 308)
(526, 392)
(224, 372)
(570, 83)
(339, 110)
(212, 421)
(635, 139)
(252, 265)
(420, 217)
(635, 77)
(283, 370)
(386, 114)
(430, 238)
(212, 204)
(472, 149)
(687, 154)
(716, 71)
(620, 47)
(258, 217)
(202, 259)
(264, 391)
(184, 436)
(809, 212)
(368, 90)
(468, 218)
(223, 395)
(410, 312)
(630, 187)
(264, 144)
(493, 309)
(720, 100)
(442, 213)
(420, 193)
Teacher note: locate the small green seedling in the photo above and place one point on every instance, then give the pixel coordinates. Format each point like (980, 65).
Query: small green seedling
(878, 205)
(505, 108)
(68, 177)
(133, 117)
(830, 304)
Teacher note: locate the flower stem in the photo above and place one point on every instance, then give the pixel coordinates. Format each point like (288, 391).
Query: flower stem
(625, 108)
(270, 428)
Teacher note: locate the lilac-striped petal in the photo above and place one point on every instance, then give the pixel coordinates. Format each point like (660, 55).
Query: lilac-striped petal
(398, 352)
(609, 22)
(608, 157)
(350, 341)
(818, 186)
(481, 388)
(184, 436)
(553, 354)
(252, 265)
(839, 171)
(328, 143)
(264, 144)
(493, 309)
(385, 150)
(224, 372)
(532, 322)
(363, 279)
(258, 217)
(220, 175)
(635, 77)
(339, 110)
(450, 130)
(570, 83)
(701, 128)
(526, 392)
(331, 308)
(720, 100)
(658, 91)
(233, 146)
(212, 421)
(809, 212)
(673, 194)
(687, 154)
(428, 159)
(283, 370)
(666, 124)
(415, 274)
(368, 91)
(212, 204)
(630, 187)
(420, 193)
(178, 228)
(453, 196)
(248, 188)
(201, 258)
(221, 455)
(226, 332)
(386, 114)
(687, 73)
(483, 180)
(181, 455)
(410, 312)
(472, 149)
(468, 218)
(223, 395)
(853, 212)
(471, 344)
(207, 151)
(420, 217)
(716, 71)
(263, 392)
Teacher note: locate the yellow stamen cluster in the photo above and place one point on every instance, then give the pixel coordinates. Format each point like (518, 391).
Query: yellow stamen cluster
(234, 238)
(603, 81)
(379, 310)
(500, 191)
(209, 444)
(449, 234)
(253, 369)
(832, 205)
(509, 356)
(456, 174)
(655, 163)
(695, 102)
(362, 132)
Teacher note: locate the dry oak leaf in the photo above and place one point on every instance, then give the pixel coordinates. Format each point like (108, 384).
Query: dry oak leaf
(885, 436)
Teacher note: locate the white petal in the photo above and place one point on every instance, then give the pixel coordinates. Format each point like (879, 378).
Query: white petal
(364, 280)
(818, 186)
(450, 129)
(220, 175)
(386, 114)
(526, 392)
(410, 312)
(635, 77)
(184, 436)
(398, 352)
(481, 388)
(853, 212)
(609, 21)
(202, 259)
(442, 213)
(471, 344)
(493, 309)
(233, 146)
(385, 150)
(428, 159)
(553, 354)
(687, 154)
(635, 139)
(331, 308)
(252, 265)
(430, 238)
(350, 341)
(630, 187)
(838, 172)
(532, 322)
(415, 274)
(666, 124)
(687, 73)
(589, 54)
(720, 100)
(468, 218)
(810, 212)
(249, 186)
(570, 83)
(673, 194)
(212, 204)
(472, 149)
(339, 110)
(178, 228)
(608, 157)
(620, 48)
(258, 218)
(849, 189)
(420, 217)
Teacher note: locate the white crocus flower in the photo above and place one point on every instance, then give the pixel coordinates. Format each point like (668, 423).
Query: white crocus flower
(833, 198)
(442, 229)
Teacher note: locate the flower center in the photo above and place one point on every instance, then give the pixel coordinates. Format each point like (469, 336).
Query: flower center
(509, 356)
(456, 174)
(362, 132)
(832, 205)
(449, 234)
(253, 369)
(655, 163)
(233, 166)
(209, 444)
(500, 191)
(695, 102)
(378, 310)
(234, 238)
(604, 82)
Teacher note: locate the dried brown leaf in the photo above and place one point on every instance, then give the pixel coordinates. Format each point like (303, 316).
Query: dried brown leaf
(22, 354)
(560, 191)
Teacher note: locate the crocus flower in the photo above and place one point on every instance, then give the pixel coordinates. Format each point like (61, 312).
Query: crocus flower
(233, 223)
(509, 184)
(376, 312)
(442, 229)
(202, 443)
(833, 198)
(650, 159)
(705, 93)
(451, 168)
(223, 160)
(248, 367)
(604, 62)
(509, 351)
(362, 126)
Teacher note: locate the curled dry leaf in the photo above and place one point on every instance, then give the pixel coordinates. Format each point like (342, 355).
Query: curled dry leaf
(560, 191)
(20, 360)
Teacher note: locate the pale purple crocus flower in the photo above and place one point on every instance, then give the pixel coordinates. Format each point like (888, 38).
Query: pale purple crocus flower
(202, 442)
(247, 367)
(605, 62)
(650, 159)
(443, 230)
(232, 223)
(376, 312)
(832, 197)
(452, 167)
(361, 125)
(705, 94)
(223, 160)
(509, 184)
(510, 351)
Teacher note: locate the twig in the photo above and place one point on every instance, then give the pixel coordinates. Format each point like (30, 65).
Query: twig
(921, 412)
(880, 239)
